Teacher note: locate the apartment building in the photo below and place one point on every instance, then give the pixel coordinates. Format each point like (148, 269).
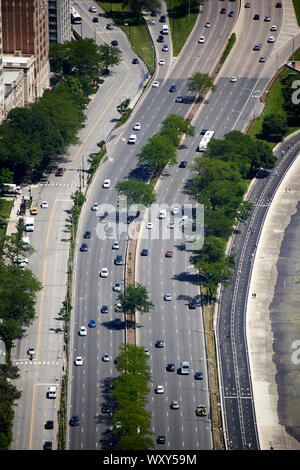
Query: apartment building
(25, 33)
(59, 21)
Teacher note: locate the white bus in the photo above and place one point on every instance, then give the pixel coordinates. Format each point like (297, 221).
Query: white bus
(75, 17)
(205, 140)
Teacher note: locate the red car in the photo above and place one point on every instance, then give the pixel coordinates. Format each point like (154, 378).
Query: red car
(223, 11)
(169, 254)
(278, 5)
(59, 172)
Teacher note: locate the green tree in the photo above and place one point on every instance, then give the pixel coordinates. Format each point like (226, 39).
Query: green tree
(123, 107)
(137, 192)
(200, 82)
(109, 56)
(14, 248)
(181, 125)
(76, 58)
(136, 6)
(18, 290)
(135, 297)
(157, 153)
(274, 127)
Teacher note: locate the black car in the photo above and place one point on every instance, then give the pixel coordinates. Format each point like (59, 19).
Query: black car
(172, 89)
(161, 440)
(170, 367)
(203, 131)
(106, 408)
(95, 19)
(160, 38)
(47, 445)
(153, 13)
(159, 343)
(199, 376)
(162, 19)
(74, 421)
(104, 309)
(49, 424)
(119, 260)
(84, 247)
(144, 252)
(192, 305)
(135, 60)
(256, 17)
(183, 164)
(87, 234)
(114, 42)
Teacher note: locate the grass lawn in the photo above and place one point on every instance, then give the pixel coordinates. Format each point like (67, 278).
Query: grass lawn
(5, 209)
(297, 10)
(137, 34)
(181, 23)
(274, 106)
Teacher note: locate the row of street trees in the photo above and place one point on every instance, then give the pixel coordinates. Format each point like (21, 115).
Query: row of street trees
(219, 182)
(34, 136)
(132, 422)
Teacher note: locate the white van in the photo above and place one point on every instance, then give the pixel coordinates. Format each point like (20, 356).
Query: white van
(162, 214)
(165, 29)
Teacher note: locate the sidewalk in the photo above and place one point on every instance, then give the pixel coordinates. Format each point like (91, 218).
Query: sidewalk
(273, 321)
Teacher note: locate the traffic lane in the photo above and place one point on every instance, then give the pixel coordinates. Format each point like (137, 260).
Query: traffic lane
(176, 357)
(254, 31)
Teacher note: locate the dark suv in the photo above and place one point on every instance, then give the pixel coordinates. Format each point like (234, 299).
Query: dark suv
(163, 19)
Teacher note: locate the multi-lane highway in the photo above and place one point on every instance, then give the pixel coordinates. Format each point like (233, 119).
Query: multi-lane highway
(230, 107)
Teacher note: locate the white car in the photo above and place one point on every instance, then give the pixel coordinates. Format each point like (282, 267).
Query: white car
(165, 48)
(149, 225)
(175, 210)
(171, 225)
(106, 358)
(116, 246)
(78, 361)
(175, 405)
(162, 62)
(95, 206)
(207, 24)
(92, 9)
(132, 139)
(274, 27)
(233, 79)
(44, 205)
(159, 389)
(31, 351)
(106, 183)
(268, 18)
(104, 272)
(117, 287)
(155, 84)
(146, 351)
(271, 39)
(167, 297)
(137, 126)
(201, 40)
(82, 331)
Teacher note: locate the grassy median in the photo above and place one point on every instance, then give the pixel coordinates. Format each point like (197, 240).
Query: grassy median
(137, 34)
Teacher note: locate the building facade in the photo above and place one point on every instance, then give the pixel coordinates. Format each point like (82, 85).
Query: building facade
(25, 32)
(1, 73)
(59, 21)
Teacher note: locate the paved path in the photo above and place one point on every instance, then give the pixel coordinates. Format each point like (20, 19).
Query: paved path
(273, 319)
